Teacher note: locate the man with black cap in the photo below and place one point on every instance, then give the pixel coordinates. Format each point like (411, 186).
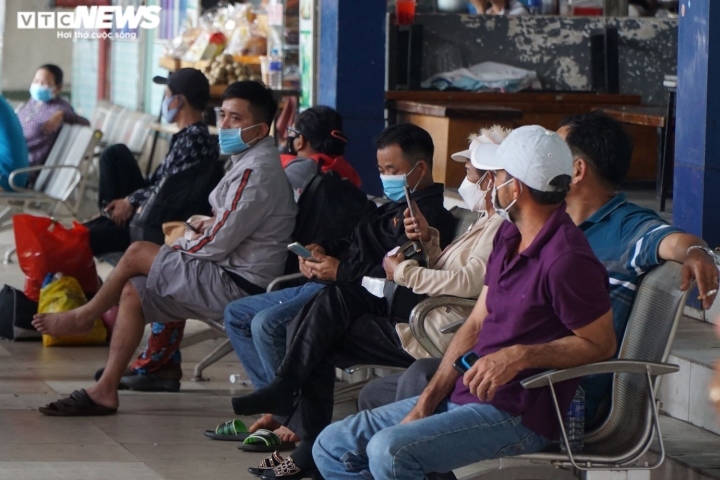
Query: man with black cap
(123, 190)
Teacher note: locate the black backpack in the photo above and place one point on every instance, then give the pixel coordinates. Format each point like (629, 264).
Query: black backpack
(329, 207)
(176, 198)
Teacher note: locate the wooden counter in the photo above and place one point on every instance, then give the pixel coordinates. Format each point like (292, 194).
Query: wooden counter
(450, 124)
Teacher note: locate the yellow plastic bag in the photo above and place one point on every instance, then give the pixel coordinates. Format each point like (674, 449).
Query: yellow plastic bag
(62, 295)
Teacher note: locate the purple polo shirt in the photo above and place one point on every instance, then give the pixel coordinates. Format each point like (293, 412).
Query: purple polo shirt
(554, 286)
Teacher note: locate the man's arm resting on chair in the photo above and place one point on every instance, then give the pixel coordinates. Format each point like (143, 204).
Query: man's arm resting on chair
(444, 379)
(592, 343)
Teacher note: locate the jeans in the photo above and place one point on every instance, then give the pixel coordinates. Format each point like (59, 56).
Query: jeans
(256, 326)
(373, 443)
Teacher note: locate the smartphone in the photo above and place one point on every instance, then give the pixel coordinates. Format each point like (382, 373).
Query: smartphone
(193, 228)
(300, 251)
(464, 362)
(408, 198)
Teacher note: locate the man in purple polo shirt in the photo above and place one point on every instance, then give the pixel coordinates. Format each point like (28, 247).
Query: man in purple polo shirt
(545, 304)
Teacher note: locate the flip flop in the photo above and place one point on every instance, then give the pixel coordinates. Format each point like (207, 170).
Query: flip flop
(78, 404)
(231, 431)
(267, 464)
(264, 441)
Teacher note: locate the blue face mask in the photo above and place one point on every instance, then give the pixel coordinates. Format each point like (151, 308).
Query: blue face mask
(41, 93)
(394, 185)
(231, 142)
(169, 114)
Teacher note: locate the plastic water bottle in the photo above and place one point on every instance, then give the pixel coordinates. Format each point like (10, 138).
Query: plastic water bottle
(535, 7)
(575, 423)
(238, 378)
(275, 71)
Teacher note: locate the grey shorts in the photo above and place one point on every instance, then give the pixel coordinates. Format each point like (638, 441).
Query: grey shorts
(180, 287)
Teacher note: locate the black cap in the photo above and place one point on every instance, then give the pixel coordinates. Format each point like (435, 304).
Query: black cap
(189, 82)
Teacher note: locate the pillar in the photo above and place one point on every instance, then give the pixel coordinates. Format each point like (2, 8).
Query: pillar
(696, 191)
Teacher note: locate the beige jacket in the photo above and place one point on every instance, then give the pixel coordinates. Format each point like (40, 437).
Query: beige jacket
(458, 271)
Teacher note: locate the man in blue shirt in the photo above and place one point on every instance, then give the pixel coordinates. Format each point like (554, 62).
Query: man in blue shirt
(13, 148)
(629, 241)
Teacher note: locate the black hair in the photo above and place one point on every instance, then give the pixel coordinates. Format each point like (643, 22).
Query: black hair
(602, 142)
(562, 187)
(322, 127)
(415, 143)
(263, 106)
(55, 71)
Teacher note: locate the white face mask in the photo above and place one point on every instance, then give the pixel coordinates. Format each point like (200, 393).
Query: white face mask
(502, 212)
(473, 195)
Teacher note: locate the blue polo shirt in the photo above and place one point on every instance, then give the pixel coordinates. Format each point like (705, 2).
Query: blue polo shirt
(625, 238)
(13, 148)
(554, 286)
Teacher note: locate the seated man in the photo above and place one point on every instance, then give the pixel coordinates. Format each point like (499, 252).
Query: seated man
(123, 190)
(346, 325)
(545, 305)
(157, 368)
(237, 254)
(627, 239)
(13, 149)
(257, 326)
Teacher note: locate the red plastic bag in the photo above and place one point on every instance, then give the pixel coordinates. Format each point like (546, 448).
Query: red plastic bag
(46, 246)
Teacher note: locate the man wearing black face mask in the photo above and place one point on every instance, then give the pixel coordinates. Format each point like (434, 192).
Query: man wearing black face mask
(123, 190)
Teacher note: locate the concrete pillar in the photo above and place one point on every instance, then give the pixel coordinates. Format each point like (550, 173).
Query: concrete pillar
(351, 77)
(696, 205)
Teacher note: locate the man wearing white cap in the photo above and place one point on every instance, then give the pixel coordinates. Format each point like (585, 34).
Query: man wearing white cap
(545, 304)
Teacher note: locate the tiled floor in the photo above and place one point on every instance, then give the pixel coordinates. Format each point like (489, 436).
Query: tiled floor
(153, 436)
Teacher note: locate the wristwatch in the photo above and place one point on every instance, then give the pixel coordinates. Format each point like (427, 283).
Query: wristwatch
(712, 254)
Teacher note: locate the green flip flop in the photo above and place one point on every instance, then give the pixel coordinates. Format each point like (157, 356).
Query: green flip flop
(232, 431)
(264, 441)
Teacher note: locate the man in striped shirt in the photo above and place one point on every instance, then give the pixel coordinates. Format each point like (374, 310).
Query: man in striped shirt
(232, 255)
(628, 239)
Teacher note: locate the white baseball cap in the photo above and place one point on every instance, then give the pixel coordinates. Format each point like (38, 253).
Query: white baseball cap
(484, 150)
(532, 154)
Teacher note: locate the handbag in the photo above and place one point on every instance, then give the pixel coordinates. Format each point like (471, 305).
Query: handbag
(16, 313)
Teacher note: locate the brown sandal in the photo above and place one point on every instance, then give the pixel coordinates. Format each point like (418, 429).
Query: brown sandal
(78, 404)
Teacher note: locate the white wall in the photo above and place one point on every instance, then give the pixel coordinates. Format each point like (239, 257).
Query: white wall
(2, 30)
(24, 50)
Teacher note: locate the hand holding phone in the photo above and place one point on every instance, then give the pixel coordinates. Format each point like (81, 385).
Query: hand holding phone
(408, 199)
(300, 251)
(464, 362)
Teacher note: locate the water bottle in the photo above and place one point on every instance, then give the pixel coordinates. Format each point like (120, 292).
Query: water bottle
(535, 7)
(238, 378)
(575, 423)
(275, 70)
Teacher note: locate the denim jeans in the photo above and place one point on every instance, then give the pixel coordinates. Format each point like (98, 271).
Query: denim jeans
(256, 326)
(373, 443)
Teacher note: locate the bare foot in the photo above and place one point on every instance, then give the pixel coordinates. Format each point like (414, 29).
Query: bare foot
(64, 323)
(266, 422)
(287, 435)
(103, 397)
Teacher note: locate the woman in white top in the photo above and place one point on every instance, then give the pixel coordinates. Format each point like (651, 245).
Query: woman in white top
(459, 270)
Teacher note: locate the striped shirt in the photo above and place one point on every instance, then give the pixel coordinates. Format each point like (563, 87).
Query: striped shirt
(626, 239)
